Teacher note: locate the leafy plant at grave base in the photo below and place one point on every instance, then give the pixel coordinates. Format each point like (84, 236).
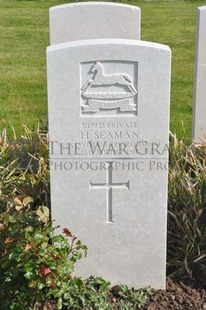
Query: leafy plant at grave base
(35, 263)
(186, 256)
(131, 299)
(36, 267)
(96, 293)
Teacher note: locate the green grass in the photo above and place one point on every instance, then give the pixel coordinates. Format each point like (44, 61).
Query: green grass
(174, 24)
(24, 36)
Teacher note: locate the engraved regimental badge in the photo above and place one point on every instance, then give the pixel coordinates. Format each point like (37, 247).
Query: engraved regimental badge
(106, 90)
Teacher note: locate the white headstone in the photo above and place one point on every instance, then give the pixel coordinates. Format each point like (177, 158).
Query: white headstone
(108, 126)
(94, 20)
(199, 106)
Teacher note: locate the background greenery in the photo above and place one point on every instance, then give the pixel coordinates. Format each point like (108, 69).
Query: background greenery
(24, 36)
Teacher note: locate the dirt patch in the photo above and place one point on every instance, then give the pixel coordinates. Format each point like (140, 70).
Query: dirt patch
(179, 296)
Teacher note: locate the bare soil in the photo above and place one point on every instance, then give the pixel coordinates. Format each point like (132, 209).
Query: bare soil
(187, 295)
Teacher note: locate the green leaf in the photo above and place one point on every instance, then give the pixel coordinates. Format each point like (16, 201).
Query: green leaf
(58, 238)
(33, 284)
(28, 275)
(44, 245)
(29, 229)
(79, 282)
(59, 303)
(40, 285)
(27, 200)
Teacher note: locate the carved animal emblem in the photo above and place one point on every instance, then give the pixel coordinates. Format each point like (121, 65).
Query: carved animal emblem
(100, 78)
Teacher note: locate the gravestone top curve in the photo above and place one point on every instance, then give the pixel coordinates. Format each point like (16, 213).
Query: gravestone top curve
(202, 8)
(116, 41)
(94, 20)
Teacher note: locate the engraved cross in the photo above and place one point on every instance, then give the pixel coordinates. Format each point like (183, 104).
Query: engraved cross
(109, 186)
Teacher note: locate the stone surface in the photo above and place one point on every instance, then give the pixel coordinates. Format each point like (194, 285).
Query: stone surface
(94, 20)
(108, 104)
(199, 106)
